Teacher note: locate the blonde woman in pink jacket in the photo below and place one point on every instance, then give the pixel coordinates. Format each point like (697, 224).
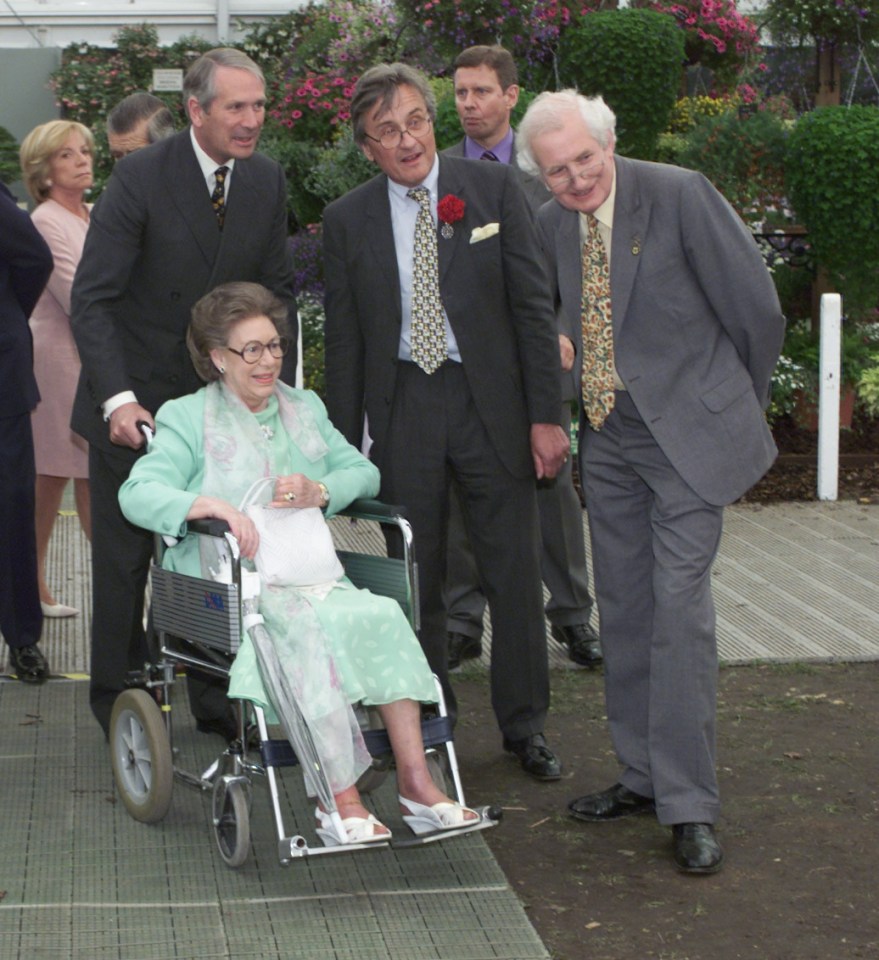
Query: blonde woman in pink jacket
(56, 162)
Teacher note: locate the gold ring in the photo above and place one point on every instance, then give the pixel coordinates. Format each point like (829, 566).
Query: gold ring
(289, 495)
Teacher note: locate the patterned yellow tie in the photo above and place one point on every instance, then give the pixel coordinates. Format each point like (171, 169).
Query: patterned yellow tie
(598, 383)
(218, 197)
(428, 330)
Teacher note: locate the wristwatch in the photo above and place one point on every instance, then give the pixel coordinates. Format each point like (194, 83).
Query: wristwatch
(324, 495)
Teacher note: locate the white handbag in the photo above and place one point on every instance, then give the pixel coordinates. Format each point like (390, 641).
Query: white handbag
(296, 547)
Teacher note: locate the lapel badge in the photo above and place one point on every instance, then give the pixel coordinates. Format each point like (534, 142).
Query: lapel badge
(636, 246)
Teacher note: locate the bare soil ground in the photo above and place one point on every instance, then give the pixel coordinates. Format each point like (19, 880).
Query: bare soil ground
(798, 750)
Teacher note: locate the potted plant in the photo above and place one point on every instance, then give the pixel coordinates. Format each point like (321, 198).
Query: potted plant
(859, 351)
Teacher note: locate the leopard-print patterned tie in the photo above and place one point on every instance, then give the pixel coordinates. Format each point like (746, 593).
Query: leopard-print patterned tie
(598, 386)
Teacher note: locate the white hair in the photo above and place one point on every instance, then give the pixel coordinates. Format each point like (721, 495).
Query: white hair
(549, 111)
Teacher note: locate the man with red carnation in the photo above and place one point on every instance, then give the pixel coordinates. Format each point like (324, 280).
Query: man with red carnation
(440, 329)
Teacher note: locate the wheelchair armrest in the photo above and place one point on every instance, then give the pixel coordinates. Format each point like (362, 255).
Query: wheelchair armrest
(209, 526)
(369, 509)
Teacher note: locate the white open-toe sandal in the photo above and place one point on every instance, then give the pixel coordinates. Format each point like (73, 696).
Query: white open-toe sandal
(357, 829)
(441, 816)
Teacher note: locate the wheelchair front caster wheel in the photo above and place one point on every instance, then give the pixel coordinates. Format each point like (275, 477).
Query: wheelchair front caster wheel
(141, 756)
(231, 815)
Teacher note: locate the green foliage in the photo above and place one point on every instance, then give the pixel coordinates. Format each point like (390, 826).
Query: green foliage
(868, 390)
(311, 319)
(833, 181)
(690, 111)
(790, 380)
(836, 21)
(92, 80)
(743, 155)
(10, 169)
(634, 59)
(338, 168)
(859, 350)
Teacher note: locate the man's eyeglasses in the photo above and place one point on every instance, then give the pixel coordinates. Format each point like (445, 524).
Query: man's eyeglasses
(253, 350)
(558, 178)
(392, 137)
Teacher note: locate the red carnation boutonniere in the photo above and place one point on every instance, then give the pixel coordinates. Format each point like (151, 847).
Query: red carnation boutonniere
(450, 209)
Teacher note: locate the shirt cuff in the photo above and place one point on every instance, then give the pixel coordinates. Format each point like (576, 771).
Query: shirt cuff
(116, 401)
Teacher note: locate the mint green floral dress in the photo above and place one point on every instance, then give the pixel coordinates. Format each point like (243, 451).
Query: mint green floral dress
(339, 644)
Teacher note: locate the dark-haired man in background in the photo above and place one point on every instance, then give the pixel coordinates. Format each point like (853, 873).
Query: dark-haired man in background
(486, 92)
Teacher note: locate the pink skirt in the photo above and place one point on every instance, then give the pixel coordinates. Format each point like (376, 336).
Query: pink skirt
(59, 451)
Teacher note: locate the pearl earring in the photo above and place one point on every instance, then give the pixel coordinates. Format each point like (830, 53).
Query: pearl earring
(48, 184)
(222, 369)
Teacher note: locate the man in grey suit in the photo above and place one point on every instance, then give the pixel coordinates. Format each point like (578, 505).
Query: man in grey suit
(680, 338)
(486, 91)
(176, 219)
(444, 336)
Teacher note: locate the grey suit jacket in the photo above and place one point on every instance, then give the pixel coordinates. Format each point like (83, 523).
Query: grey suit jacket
(697, 323)
(152, 250)
(496, 296)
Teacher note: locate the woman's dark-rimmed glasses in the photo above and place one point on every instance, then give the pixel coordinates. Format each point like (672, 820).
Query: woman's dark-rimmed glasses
(252, 351)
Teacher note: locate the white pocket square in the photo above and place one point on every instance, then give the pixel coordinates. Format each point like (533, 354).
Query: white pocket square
(483, 233)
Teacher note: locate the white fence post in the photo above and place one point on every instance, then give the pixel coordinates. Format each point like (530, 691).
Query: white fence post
(828, 397)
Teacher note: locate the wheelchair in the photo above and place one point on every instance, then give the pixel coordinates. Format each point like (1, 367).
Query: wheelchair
(197, 624)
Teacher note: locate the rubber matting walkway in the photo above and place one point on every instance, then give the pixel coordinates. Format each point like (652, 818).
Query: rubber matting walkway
(81, 880)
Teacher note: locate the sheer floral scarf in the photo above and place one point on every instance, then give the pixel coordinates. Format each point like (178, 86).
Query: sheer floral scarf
(238, 451)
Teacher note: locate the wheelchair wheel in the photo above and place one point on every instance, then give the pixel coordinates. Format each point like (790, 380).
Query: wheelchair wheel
(141, 756)
(231, 821)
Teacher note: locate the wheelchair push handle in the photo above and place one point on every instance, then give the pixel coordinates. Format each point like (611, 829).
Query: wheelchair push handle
(147, 430)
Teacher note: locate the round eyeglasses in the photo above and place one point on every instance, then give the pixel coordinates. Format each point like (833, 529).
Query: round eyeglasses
(559, 178)
(391, 137)
(253, 350)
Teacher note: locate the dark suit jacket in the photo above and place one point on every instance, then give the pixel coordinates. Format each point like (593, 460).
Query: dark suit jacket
(25, 267)
(496, 296)
(152, 250)
(537, 194)
(697, 323)
(535, 190)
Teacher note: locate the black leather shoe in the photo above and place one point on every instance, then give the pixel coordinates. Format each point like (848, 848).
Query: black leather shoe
(696, 849)
(463, 647)
(612, 804)
(535, 756)
(582, 642)
(29, 664)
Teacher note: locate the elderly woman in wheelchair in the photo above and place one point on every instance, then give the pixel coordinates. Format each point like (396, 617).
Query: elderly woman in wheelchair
(338, 645)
